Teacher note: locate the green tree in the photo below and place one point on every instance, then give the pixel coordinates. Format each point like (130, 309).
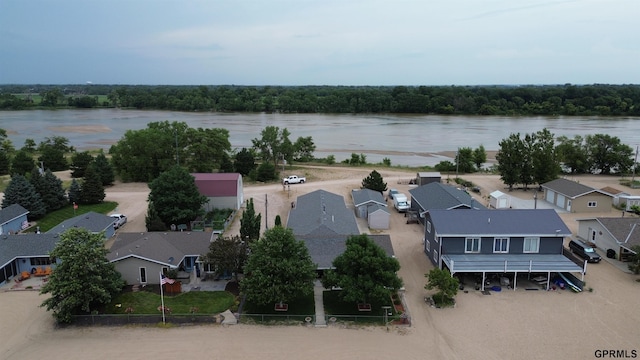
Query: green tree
(104, 169)
(546, 166)
(50, 189)
(250, 223)
(509, 158)
(278, 221)
(52, 97)
(464, 160)
(205, 149)
(364, 272)
(479, 157)
(607, 154)
(29, 146)
(526, 161)
(303, 149)
(279, 269)
(446, 285)
(175, 197)
(226, 166)
(80, 161)
(83, 279)
(20, 191)
(5, 163)
(22, 163)
(152, 219)
(92, 189)
(374, 182)
(274, 145)
(266, 172)
(573, 154)
(244, 162)
(52, 153)
(228, 254)
(75, 192)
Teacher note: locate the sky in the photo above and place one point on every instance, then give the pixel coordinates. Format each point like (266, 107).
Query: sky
(311, 42)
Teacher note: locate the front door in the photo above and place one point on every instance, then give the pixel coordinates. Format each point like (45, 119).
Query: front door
(143, 275)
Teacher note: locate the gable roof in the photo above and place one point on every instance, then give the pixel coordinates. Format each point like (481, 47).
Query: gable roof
(12, 212)
(367, 197)
(25, 246)
(377, 207)
(440, 196)
(323, 211)
(323, 250)
(217, 184)
(613, 191)
(570, 188)
(91, 221)
(168, 249)
(625, 230)
(513, 222)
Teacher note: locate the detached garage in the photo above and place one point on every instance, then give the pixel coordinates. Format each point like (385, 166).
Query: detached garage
(499, 200)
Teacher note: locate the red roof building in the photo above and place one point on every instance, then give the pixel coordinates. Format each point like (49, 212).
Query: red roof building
(223, 190)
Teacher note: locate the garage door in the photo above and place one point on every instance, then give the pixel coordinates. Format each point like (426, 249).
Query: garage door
(560, 201)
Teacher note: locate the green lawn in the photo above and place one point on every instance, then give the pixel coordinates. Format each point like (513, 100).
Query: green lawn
(56, 217)
(333, 305)
(147, 302)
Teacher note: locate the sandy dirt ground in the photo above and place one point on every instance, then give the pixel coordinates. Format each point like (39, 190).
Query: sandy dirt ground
(504, 325)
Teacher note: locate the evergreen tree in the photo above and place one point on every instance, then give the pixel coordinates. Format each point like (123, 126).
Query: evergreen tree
(175, 197)
(5, 163)
(74, 193)
(20, 191)
(80, 161)
(53, 194)
(374, 182)
(244, 162)
(266, 172)
(278, 221)
(479, 157)
(22, 163)
(152, 220)
(250, 223)
(92, 189)
(83, 280)
(226, 166)
(104, 169)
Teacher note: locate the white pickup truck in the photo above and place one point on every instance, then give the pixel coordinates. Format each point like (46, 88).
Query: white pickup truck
(293, 179)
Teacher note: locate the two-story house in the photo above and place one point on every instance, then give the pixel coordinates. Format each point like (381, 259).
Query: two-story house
(497, 241)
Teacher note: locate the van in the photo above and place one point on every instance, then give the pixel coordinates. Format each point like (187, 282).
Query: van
(401, 203)
(583, 250)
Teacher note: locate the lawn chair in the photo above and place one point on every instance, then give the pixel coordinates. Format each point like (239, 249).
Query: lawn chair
(47, 271)
(25, 275)
(39, 272)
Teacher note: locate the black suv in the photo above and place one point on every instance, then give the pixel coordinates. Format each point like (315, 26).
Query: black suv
(584, 251)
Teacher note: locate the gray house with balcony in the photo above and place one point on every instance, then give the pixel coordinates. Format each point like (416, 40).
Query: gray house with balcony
(503, 242)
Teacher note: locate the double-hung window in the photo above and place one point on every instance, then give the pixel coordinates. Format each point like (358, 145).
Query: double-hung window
(501, 245)
(472, 245)
(531, 245)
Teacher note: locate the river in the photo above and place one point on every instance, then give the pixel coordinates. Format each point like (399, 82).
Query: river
(412, 140)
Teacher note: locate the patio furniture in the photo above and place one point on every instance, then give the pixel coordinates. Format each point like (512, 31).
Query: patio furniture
(47, 271)
(39, 272)
(24, 275)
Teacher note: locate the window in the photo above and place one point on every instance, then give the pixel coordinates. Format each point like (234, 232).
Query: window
(531, 245)
(429, 227)
(427, 245)
(472, 245)
(435, 255)
(592, 204)
(501, 245)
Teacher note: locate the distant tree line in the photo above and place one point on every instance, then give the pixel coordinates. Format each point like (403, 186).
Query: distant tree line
(568, 99)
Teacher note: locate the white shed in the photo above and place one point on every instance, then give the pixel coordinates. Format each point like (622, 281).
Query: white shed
(499, 200)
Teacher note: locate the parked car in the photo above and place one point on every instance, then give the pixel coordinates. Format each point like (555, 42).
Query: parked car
(120, 220)
(392, 193)
(583, 250)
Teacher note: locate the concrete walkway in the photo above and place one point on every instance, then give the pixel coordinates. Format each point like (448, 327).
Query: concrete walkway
(317, 295)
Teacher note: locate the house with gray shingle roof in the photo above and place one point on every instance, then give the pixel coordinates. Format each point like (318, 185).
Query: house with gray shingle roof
(13, 219)
(141, 257)
(575, 197)
(321, 211)
(370, 205)
(489, 241)
(436, 195)
(619, 233)
(321, 219)
(24, 252)
(92, 221)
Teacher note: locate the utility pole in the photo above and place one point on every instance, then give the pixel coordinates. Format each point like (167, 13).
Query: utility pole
(266, 213)
(457, 162)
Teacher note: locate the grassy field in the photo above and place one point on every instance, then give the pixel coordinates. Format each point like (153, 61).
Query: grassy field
(147, 302)
(56, 217)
